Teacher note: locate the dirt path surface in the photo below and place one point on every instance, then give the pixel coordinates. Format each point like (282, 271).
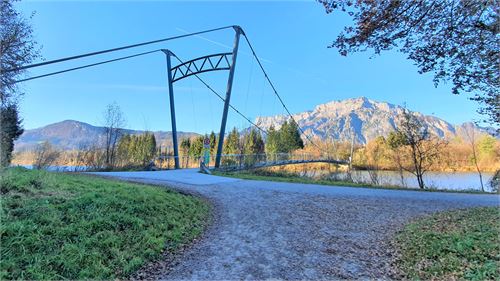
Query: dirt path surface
(279, 230)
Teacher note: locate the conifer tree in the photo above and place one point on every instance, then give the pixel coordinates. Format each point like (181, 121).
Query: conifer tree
(289, 138)
(232, 143)
(272, 141)
(213, 143)
(253, 143)
(197, 146)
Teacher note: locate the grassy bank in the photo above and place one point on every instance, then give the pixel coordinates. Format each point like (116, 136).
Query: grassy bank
(281, 176)
(67, 226)
(453, 245)
(284, 177)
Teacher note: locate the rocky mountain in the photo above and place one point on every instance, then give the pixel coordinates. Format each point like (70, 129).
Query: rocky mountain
(365, 117)
(71, 134)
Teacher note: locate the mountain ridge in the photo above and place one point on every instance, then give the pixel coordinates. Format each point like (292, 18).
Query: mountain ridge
(366, 117)
(72, 134)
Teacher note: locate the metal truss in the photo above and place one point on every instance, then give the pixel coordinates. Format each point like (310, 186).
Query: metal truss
(202, 64)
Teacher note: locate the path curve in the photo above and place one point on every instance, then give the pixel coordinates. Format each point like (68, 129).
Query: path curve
(297, 231)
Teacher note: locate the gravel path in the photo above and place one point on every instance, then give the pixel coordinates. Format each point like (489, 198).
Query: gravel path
(297, 231)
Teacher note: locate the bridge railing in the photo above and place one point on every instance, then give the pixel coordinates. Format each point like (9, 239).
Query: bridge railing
(241, 161)
(167, 162)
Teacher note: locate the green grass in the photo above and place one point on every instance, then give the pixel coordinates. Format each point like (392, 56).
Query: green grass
(281, 176)
(67, 226)
(453, 245)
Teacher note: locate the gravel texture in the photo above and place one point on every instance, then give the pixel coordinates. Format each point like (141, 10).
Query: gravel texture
(275, 230)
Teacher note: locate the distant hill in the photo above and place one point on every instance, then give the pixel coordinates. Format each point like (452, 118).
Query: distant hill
(71, 134)
(367, 118)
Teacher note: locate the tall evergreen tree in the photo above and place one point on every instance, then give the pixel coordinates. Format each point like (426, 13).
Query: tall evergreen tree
(136, 150)
(253, 143)
(10, 130)
(232, 143)
(185, 146)
(252, 146)
(289, 137)
(197, 146)
(122, 151)
(213, 143)
(294, 133)
(272, 141)
(148, 147)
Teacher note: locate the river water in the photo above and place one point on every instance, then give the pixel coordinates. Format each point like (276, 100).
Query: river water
(434, 180)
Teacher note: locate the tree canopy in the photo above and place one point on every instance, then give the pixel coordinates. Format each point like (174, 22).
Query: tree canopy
(136, 150)
(17, 48)
(10, 130)
(253, 142)
(232, 143)
(284, 140)
(456, 40)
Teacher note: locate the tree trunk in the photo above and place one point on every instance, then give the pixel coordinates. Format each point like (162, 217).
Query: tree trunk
(420, 179)
(480, 178)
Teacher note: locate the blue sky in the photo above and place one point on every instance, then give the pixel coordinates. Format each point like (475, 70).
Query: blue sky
(290, 37)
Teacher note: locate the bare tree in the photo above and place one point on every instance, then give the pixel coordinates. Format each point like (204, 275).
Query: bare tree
(45, 156)
(113, 124)
(471, 137)
(374, 153)
(91, 157)
(423, 148)
(395, 142)
(17, 48)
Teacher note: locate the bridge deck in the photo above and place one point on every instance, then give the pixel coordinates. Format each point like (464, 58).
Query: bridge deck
(244, 166)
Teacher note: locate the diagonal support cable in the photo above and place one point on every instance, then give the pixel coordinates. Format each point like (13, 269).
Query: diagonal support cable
(276, 92)
(222, 99)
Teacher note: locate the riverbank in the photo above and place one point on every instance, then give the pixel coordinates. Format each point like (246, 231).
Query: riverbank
(454, 245)
(69, 226)
(283, 176)
(68, 159)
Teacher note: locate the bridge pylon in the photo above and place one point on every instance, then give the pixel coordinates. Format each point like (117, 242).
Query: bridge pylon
(196, 66)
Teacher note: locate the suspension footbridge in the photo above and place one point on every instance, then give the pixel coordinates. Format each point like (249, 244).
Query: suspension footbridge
(194, 68)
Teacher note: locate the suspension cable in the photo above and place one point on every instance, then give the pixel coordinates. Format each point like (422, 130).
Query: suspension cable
(221, 98)
(115, 49)
(86, 66)
(275, 91)
(145, 53)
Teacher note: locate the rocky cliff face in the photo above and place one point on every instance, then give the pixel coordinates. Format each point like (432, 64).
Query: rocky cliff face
(366, 118)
